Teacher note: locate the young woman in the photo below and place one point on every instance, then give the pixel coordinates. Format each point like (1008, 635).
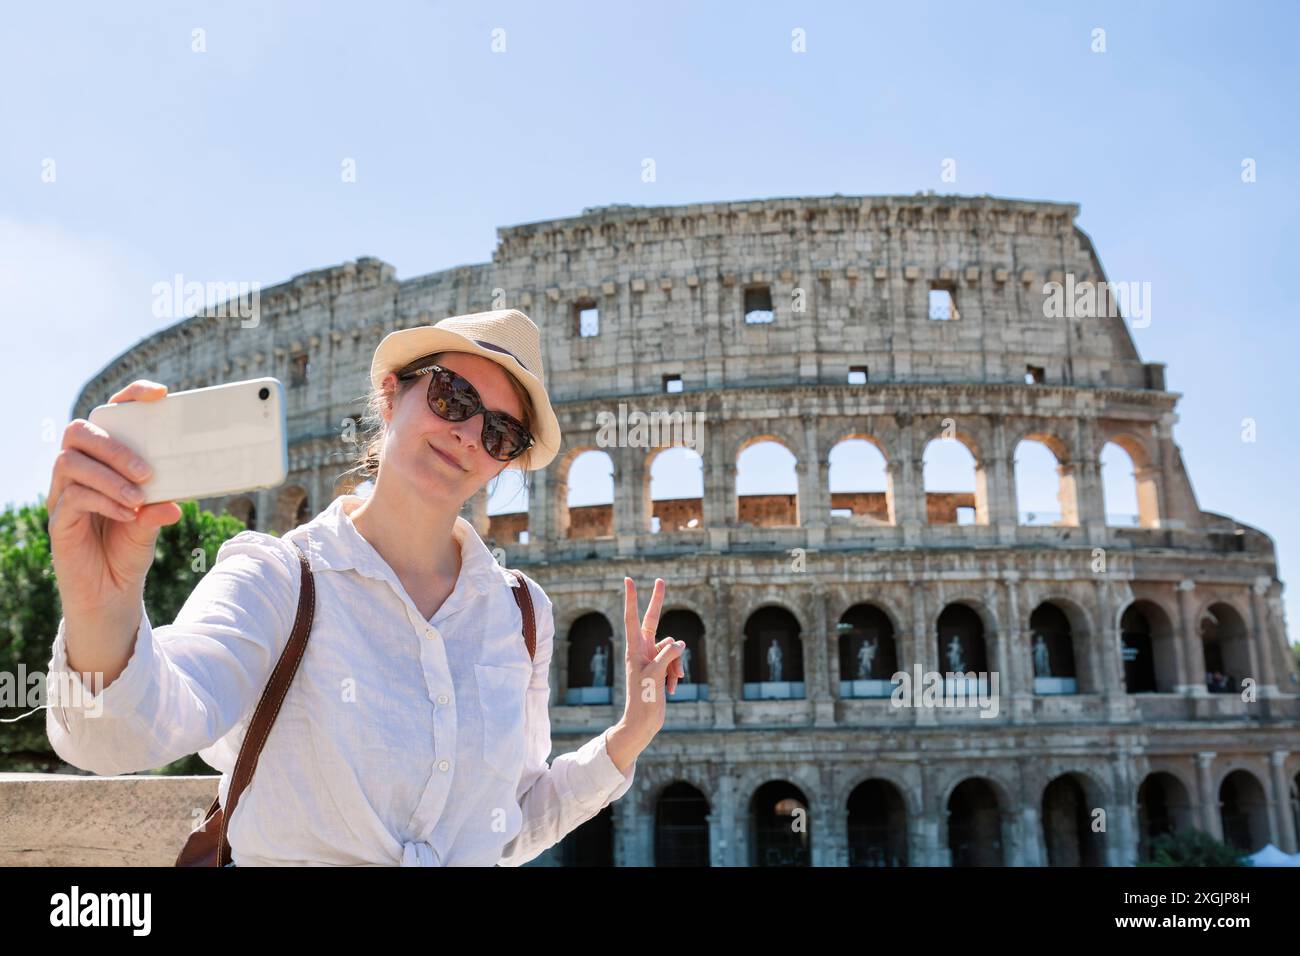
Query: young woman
(416, 729)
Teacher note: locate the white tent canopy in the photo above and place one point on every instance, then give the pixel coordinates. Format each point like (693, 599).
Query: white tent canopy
(1272, 856)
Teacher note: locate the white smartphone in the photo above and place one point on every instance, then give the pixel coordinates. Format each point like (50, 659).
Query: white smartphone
(205, 442)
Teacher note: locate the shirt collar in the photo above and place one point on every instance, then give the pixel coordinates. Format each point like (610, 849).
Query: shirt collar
(333, 543)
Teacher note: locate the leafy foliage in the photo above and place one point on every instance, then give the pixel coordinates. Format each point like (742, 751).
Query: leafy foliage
(1192, 848)
(30, 612)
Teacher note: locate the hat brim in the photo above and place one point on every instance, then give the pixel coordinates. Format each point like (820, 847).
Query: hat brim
(404, 346)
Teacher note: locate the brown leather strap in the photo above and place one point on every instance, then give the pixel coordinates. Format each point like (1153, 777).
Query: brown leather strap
(269, 705)
(524, 598)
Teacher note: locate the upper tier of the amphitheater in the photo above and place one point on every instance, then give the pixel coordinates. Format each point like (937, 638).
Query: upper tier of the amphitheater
(922, 289)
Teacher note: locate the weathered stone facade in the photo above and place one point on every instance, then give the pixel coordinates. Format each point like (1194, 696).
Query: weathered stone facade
(805, 771)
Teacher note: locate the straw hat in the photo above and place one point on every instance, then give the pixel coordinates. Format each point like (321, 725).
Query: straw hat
(505, 336)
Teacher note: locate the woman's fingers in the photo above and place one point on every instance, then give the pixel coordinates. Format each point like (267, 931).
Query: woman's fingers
(634, 643)
(159, 513)
(650, 626)
(80, 468)
(93, 442)
(78, 500)
(642, 635)
(676, 670)
(141, 390)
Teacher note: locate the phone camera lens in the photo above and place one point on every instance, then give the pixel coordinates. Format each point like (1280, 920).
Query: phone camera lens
(263, 393)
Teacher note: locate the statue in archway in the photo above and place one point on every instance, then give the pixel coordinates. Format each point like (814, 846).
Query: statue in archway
(686, 664)
(774, 661)
(956, 660)
(1042, 663)
(866, 657)
(599, 658)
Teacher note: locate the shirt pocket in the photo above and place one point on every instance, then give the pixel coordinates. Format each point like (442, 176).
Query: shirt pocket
(501, 692)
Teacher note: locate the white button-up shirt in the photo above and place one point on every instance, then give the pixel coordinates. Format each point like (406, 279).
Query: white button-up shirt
(402, 740)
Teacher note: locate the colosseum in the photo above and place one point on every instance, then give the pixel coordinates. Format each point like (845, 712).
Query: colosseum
(881, 673)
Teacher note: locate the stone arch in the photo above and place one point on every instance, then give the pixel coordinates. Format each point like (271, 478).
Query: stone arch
(1066, 487)
(592, 659)
(977, 822)
(1244, 810)
(847, 597)
(244, 508)
(1146, 475)
(1066, 805)
(1079, 641)
(987, 615)
(773, 836)
(865, 505)
(290, 504)
(908, 784)
(681, 811)
(594, 519)
(866, 638)
(1164, 805)
(1148, 643)
(1225, 646)
(768, 509)
(674, 465)
(877, 824)
(942, 506)
(772, 653)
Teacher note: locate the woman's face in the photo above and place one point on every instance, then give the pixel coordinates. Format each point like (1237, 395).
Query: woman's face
(416, 434)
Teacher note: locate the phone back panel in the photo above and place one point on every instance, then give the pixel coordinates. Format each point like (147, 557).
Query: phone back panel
(205, 442)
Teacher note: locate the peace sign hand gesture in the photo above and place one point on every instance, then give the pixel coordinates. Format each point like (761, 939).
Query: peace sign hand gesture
(652, 665)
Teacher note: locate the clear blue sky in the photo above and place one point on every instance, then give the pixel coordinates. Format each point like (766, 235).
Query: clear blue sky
(226, 164)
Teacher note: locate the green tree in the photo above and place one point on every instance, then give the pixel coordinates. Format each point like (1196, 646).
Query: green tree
(1192, 848)
(30, 611)
(29, 616)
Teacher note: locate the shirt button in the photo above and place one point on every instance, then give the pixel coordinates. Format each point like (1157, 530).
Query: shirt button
(431, 633)
(443, 765)
(442, 698)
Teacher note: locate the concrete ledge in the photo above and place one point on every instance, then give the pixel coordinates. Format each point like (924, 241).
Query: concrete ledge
(56, 819)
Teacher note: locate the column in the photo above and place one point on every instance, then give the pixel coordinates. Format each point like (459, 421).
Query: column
(814, 485)
(722, 648)
(631, 821)
(907, 485)
(1211, 821)
(540, 514)
(928, 849)
(726, 844)
(1090, 501)
(1110, 647)
(833, 675)
(1284, 834)
(1262, 637)
(1028, 849)
(816, 661)
(557, 509)
(1167, 469)
(717, 479)
(629, 497)
(925, 661)
(1121, 835)
(716, 820)
(1001, 490)
(1193, 662)
(1017, 687)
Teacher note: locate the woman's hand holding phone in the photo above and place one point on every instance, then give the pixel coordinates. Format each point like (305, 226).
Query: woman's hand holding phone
(102, 540)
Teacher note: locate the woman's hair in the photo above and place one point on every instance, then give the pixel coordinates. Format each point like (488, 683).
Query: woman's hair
(374, 428)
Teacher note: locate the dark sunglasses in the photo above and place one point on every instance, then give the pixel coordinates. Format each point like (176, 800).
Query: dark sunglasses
(453, 398)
